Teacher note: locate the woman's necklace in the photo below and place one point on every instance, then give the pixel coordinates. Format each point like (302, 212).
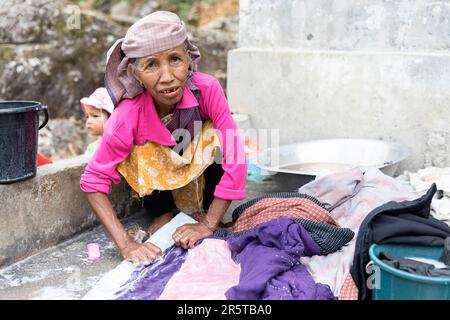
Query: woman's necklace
(166, 119)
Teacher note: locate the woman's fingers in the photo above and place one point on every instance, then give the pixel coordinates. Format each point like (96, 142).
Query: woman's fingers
(180, 229)
(156, 250)
(185, 240)
(148, 254)
(186, 235)
(191, 243)
(178, 234)
(176, 237)
(137, 258)
(151, 252)
(144, 254)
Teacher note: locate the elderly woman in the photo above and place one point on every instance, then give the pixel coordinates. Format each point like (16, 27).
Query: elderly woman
(157, 137)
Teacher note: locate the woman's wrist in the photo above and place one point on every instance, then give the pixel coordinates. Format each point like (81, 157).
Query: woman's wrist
(125, 241)
(216, 211)
(210, 225)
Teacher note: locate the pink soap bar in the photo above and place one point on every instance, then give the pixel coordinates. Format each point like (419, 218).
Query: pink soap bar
(93, 251)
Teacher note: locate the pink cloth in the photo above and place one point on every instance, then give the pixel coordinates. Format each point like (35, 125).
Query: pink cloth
(135, 121)
(369, 190)
(207, 273)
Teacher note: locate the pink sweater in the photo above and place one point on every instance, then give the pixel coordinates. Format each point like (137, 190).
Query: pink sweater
(135, 121)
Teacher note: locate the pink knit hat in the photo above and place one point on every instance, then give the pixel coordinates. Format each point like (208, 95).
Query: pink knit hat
(99, 99)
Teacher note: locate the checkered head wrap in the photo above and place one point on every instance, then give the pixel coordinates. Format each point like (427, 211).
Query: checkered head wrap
(154, 33)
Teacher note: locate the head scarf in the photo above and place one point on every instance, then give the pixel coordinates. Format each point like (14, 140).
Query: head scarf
(154, 33)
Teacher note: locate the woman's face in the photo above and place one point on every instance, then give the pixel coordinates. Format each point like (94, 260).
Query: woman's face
(164, 75)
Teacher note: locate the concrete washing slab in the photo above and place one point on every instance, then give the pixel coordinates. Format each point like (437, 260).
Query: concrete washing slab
(50, 208)
(64, 271)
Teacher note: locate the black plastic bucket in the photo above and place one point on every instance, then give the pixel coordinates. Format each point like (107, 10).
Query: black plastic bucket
(19, 125)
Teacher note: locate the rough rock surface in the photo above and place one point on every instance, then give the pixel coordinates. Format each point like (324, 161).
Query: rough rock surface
(54, 52)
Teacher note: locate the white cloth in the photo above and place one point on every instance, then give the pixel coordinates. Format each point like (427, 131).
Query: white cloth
(423, 179)
(111, 282)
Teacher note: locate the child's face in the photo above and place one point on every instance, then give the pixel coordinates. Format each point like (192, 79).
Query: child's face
(95, 118)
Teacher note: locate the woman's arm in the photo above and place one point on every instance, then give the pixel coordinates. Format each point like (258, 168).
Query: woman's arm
(186, 235)
(232, 184)
(215, 213)
(234, 164)
(130, 249)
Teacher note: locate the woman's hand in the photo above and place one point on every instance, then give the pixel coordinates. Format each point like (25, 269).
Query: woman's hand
(186, 235)
(140, 253)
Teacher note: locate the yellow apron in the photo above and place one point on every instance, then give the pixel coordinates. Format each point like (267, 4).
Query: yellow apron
(155, 167)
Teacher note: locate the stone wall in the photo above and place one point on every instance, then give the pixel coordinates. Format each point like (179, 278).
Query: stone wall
(52, 52)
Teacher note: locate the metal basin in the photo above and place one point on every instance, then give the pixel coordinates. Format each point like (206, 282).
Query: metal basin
(296, 164)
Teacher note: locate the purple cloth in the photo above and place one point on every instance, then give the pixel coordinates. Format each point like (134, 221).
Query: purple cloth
(269, 257)
(149, 282)
(185, 118)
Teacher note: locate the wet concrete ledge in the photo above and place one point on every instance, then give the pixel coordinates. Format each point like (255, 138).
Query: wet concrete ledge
(49, 208)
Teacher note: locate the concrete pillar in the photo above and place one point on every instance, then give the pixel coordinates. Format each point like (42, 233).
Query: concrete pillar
(347, 69)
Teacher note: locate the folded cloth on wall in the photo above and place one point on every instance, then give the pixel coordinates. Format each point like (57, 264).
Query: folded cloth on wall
(350, 196)
(406, 222)
(413, 266)
(269, 256)
(327, 236)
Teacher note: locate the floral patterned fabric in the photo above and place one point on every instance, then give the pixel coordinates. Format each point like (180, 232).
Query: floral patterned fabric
(156, 167)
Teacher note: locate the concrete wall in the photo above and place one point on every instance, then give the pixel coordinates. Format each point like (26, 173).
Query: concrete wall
(40, 212)
(347, 69)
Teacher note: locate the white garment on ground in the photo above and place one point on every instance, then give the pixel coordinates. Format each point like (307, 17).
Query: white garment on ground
(423, 179)
(110, 283)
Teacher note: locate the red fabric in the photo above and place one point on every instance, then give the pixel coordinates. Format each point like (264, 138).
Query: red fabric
(272, 208)
(41, 160)
(349, 290)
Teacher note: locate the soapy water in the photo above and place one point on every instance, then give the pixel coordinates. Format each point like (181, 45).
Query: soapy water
(316, 167)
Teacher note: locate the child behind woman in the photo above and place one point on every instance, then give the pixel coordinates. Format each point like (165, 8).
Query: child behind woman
(97, 109)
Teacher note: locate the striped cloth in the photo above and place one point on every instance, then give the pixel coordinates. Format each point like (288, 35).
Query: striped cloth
(238, 211)
(328, 237)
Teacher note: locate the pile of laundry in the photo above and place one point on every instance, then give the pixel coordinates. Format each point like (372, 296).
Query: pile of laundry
(421, 181)
(306, 245)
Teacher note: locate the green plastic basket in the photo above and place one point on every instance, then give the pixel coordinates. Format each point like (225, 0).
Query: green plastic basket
(395, 284)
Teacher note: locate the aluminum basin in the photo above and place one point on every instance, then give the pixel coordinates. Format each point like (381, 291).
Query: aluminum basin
(296, 164)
